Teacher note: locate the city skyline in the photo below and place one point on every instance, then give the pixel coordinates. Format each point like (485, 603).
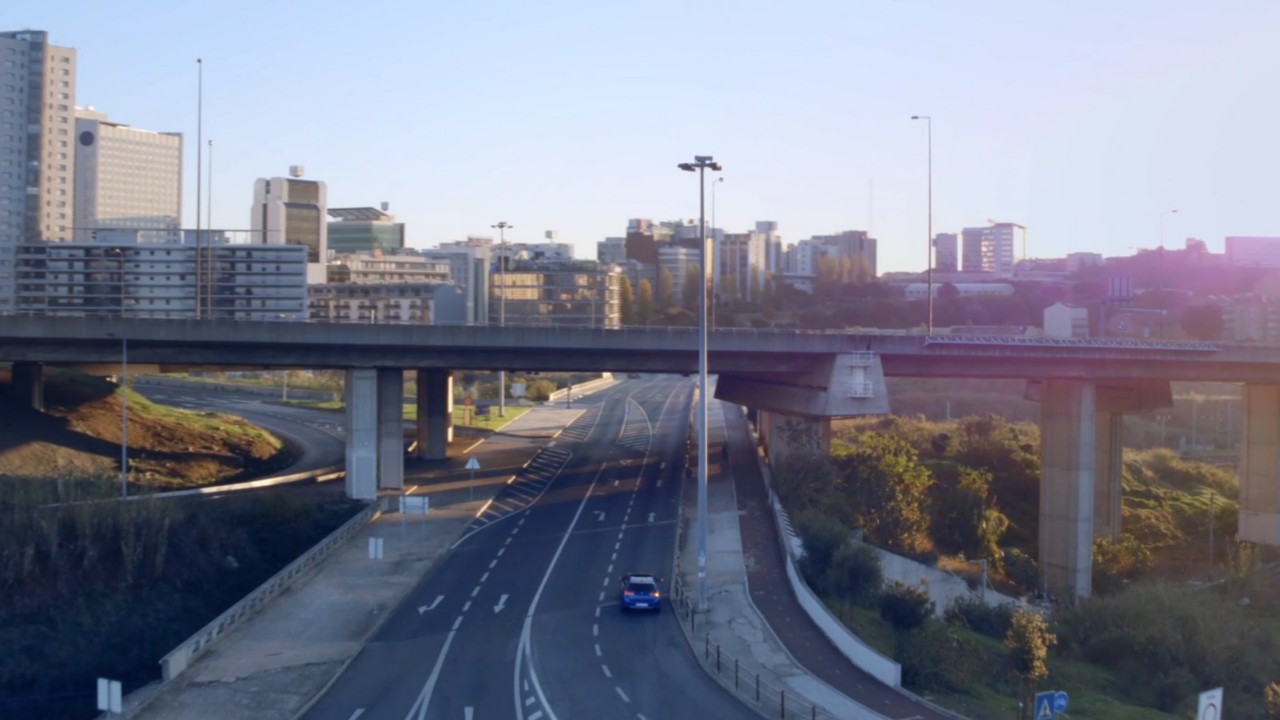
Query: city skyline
(1085, 125)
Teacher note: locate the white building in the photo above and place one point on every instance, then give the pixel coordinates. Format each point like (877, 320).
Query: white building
(379, 269)
(158, 280)
(394, 303)
(989, 249)
(469, 264)
(1066, 321)
(679, 262)
(293, 211)
(126, 178)
(612, 250)
(37, 160)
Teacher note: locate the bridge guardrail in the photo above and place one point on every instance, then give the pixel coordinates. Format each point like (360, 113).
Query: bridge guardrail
(181, 657)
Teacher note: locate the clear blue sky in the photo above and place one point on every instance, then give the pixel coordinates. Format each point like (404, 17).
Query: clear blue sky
(1084, 121)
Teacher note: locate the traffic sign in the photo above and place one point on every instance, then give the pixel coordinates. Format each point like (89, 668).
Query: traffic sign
(473, 463)
(1210, 705)
(1044, 706)
(1060, 702)
(468, 401)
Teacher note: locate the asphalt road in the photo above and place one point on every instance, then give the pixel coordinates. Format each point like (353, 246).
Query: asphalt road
(521, 620)
(315, 435)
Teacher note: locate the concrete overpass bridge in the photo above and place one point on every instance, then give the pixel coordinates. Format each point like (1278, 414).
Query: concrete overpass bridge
(798, 380)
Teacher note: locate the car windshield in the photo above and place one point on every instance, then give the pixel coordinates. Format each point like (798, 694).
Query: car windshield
(641, 586)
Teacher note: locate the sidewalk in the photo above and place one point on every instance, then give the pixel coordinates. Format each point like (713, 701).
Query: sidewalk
(274, 665)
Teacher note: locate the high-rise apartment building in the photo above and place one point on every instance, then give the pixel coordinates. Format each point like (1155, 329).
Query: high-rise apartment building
(37, 161)
(126, 178)
(988, 249)
(291, 211)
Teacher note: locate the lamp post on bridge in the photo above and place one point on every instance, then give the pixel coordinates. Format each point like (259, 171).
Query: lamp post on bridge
(929, 245)
(502, 226)
(700, 164)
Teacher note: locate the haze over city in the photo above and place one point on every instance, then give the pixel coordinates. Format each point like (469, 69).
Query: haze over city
(1084, 122)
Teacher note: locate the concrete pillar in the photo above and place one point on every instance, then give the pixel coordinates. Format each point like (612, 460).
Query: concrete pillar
(27, 384)
(1107, 473)
(1068, 461)
(1260, 466)
(784, 434)
(361, 397)
(390, 428)
(435, 414)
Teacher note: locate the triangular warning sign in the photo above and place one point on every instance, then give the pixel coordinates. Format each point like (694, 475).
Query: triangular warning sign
(473, 463)
(1044, 706)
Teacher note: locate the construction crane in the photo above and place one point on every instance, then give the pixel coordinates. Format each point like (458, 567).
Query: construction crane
(1023, 228)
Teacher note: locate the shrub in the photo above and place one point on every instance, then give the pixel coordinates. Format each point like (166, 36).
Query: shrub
(905, 607)
(975, 615)
(1021, 569)
(1116, 563)
(942, 658)
(855, 574)
(823, 536)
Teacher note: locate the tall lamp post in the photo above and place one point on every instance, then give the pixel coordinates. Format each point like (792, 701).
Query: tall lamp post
(502, 226)
(929, 245)
(124, 414)
(1160, 271)
(700, 164)
(720, 246)
(199, 157)
(208, 225)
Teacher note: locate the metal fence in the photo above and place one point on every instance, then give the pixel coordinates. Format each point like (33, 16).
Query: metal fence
(769, 699)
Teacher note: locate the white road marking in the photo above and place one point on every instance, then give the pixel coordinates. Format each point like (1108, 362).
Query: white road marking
(622, 695)
(506, 542)
(530, 700)
(475, 590)
(502, 603)
(468, 712)
(356, 714)
(484, 577)
(605, 668)
(619, 543)
(492, 563)
(466, 606)
(598, 653)
(599, 515)
(614, 558)
(424, 698)
(610, 570)
(502, 550)
(536, 714)
(651, 516)
(601, 596)
(606, 582)
(595, 630)
(457, 621)
(432, 606)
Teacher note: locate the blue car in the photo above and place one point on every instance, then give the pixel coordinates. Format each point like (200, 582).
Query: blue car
(639, 591)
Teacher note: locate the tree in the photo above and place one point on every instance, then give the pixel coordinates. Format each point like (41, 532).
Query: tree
(627, 301)
(906, 608)
(1272, 695)
(965, 518)
(1028, 642)
(948, 291)
(692, 286)
(666, 290)
(644, 303)
(889, 491)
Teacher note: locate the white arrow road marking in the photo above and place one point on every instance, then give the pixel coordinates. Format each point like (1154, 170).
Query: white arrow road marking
(651, 516)
(502, 603)
(432, 606)
(469, 712)
(599, 515)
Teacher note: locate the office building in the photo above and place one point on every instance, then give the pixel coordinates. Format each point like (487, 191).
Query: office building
(291, 211)
(411, 303)
(37, 160)
(574, 292)
(469, 264)
(383, 269)
(364, 230)
(946, 252)
(126, 178)
(158, 280)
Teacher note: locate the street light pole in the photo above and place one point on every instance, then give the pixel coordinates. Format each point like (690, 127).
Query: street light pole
(502, 226)
(124, 416)
(199, 157)
(720, 260)
(1160, 270)
(929, 245)
(700, 164)
(209, 229)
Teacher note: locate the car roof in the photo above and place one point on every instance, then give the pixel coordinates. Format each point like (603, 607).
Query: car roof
(639, 577)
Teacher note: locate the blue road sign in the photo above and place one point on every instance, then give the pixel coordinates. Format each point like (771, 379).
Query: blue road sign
(1044, 706)
(1060, 702)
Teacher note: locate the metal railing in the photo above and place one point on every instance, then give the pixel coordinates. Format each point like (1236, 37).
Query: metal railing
(767, 698)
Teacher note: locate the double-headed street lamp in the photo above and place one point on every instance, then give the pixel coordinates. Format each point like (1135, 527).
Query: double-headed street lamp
(929, 245)
(502, 226)
(700, 164)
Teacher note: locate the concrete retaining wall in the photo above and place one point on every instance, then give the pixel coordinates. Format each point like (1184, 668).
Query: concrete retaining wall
(181, 657)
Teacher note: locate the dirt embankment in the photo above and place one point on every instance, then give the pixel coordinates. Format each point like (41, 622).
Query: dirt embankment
(78, 436)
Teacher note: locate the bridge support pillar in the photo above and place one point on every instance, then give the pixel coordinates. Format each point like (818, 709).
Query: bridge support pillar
(435, 414)
(784, 434)
(360, 395)
(27, 384)
(1260, 466)
(1068, 463)
(390, 428)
